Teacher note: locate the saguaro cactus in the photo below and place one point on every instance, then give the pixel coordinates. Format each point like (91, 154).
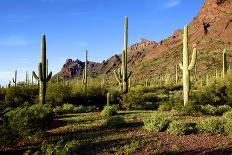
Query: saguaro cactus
(122, 75)
(224, 63)
(84, 79)
(27, 78)
(108, 98)
(186, 67)
(32, 79)
(15, 78)
(42, 69)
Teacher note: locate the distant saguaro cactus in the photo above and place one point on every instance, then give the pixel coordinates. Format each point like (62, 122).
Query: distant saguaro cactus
(27, 78)
(15, 78)
(186, 67)
(108, 98)
(122, 75)
(224, 63)
(84, 79)
(42, 71)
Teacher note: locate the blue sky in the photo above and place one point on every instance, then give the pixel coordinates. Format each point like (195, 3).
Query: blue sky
(72, 26)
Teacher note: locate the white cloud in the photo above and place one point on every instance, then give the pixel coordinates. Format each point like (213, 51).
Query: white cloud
(171, 4)
(13, 41)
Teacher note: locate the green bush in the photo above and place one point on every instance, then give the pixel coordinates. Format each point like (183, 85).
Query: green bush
(228, 115)
(157, 122)
(68, 107)
(58, 110)
(189, 109)
(30, 120)
(165, 107)
(115, 122)
(181, 128)
(228, 127)
(109, 110)
(211, 110)
(211, 125)
(58, 94)
(53, 149)
(17, 96)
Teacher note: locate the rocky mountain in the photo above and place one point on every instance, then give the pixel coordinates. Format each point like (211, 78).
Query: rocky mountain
(210, 31)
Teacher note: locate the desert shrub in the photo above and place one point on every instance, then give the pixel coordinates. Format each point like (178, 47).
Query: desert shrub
(83, 109)
(30, 120)
(222, 109)
(109, 110)
(58, 94)
(68, 107)
(17, 96)
(58, 110)
(189, 109)
(137, 99)
(166, 106)
(228, 115)
(115, 122)
(211, 125)
(157, 122)
(181, 128)
(211, 110)
(228, 127)
(53, 148)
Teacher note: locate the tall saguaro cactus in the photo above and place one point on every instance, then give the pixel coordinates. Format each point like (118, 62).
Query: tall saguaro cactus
(224, 69)
(15, 78)
(42, 71)
(122, 75)
(186, 67)
(84, 79)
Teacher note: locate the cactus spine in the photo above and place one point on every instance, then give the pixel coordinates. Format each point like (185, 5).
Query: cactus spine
(15, 78)
(186, 67)
(42, 70)
(224, 69)
(108, 98)
(84, 79)
(122, 75)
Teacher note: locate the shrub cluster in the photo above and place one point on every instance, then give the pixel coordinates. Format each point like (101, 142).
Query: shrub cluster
(109, 110)
(30, 120)
(115, 122)
(157, 122)
(181, 128)
(70, 108)
(211, 125)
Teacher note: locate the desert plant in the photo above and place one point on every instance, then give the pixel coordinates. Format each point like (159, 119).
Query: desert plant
(30, 120)
(15, 78)
(224, 63)
(181, 128)
(115, 122)
(42, 77)
(186, 67)
(228, 115)
(109, 110)
(84, 79)
(157, 122)
(211, 125)
(122, 75)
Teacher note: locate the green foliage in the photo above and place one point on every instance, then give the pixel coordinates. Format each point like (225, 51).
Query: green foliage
(211, 110)
(7, 136)
(157, 122)
(115, 122)
(109, 110)
(58, 94)
(211, 125)
(139, 99)
(181, 128)
(53, 149)
(58, 110)
(30, 120)
(17, 96)
(228, 115)
(228, 127)
(68, 107)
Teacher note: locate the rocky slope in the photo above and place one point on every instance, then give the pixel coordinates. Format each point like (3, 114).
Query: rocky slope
(210, 30)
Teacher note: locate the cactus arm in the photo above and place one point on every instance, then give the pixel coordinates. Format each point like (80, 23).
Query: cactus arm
(181, 66)
(35, 76)
(193, 61)
(129, 75)
(117, 76)
(49, 77)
